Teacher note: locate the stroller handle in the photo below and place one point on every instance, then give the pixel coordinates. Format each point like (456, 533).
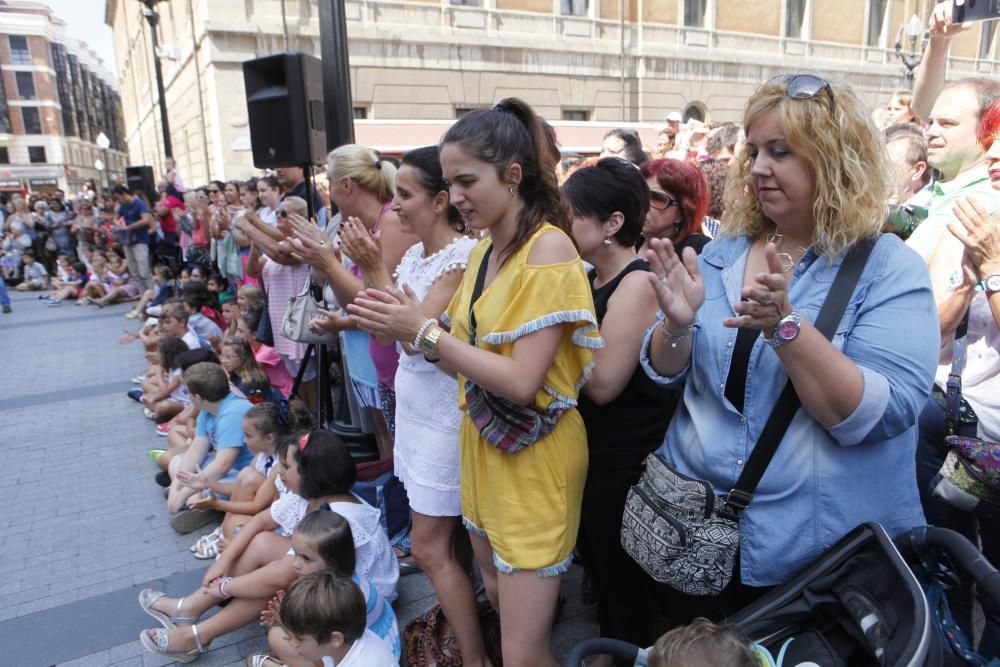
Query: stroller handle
(614, 647)
(966, 556)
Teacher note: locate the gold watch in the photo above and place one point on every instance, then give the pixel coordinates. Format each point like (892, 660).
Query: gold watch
(429, 343)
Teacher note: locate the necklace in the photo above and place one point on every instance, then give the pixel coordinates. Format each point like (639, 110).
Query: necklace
(785, 257)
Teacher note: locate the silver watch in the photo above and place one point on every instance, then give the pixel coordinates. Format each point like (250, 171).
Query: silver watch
(992, 282)
(785, 330)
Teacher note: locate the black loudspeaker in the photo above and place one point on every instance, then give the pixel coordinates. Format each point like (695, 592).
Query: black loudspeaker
(285, 108)
(139, 178)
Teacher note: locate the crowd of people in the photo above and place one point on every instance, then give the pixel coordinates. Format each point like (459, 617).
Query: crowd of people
(524, 332)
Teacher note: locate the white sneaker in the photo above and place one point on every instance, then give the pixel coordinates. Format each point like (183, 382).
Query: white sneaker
(139, 379)
(149, 413)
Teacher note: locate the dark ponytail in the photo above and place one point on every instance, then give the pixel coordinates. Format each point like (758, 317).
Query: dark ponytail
(512, 132)
(428, 163)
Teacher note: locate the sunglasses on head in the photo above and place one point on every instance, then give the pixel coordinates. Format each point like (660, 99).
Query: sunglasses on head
(661, 201)
(804, 86)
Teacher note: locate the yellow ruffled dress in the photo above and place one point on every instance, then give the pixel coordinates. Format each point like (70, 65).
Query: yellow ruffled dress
(528, 503)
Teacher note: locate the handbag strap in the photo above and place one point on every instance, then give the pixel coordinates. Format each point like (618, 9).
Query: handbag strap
(953, 388)
(741, 495)
(476, 291)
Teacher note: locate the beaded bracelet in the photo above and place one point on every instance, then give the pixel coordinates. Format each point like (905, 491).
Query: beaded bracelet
(673, 339)
(428, 323)
(222, 587)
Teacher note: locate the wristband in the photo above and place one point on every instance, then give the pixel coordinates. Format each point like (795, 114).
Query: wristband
(222, 587)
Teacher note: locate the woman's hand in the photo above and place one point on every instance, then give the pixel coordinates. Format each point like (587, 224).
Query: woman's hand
(979, 233)
(309, 244)
(678, 284)
(393, 313)
(767, 298)
(363, 247)
(325, 322)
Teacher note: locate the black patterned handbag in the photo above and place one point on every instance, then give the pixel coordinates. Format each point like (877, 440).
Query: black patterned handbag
(674, 526)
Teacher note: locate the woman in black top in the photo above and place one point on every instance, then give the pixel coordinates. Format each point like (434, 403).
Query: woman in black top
(678, 204)
(624, 412)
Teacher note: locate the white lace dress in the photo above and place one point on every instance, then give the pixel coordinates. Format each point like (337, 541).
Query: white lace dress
(427, 414)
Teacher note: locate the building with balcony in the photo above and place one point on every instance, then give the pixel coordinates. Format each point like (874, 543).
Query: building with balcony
(56, 98)
(599, 61)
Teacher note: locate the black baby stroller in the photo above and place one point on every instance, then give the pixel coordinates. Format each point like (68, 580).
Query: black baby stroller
(866, 601)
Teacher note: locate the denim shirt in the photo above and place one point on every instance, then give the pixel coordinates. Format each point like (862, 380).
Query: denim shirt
(823, 481)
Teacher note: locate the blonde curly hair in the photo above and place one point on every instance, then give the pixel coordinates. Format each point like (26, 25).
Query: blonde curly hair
(833, 132)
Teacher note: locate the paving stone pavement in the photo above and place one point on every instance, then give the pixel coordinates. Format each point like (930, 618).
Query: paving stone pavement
(85, 527)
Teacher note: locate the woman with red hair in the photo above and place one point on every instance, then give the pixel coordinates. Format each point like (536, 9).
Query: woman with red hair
(678, 202)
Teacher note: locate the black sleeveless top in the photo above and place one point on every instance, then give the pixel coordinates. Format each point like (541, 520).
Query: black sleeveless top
(622, 432)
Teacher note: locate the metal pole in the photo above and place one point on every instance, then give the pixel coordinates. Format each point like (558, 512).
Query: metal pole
(153, 19)
(338, 106)
(284, 25)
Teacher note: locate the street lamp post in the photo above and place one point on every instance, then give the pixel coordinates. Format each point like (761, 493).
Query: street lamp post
(104, 143)
(153, 18)
(912, 59)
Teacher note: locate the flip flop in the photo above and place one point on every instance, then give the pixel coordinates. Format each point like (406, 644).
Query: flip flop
(155, 454)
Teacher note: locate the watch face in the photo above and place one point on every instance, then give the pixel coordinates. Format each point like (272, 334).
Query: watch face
(993, 283)
(787, 330)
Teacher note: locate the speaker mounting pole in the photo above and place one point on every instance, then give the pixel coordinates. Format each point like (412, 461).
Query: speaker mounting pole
(336, 73)
(153, 18)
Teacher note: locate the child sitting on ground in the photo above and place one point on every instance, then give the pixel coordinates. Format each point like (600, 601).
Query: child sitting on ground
(165, 396)
(217, 453)
(257, 485)
(323, 542)
(71, 287)
(703, 644)
(266, 356)
(324, 616)
(245, 375)
(163, 289)
(230, 313)
(35, 275)
(256, 564)
(194, 296)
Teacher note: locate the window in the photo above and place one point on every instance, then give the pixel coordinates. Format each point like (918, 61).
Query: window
(986, 32)
(32, 121)
(36, 154)
(19, 53)
(694, 111)
(694, 13)
(573, 7)
(467, 3)
(25, 85)
(876, 19)
(360, 113)
(795, 16)
(576, 114)
(4, 157)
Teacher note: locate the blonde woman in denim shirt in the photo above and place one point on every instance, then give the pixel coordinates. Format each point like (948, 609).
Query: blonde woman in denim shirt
(809, 184)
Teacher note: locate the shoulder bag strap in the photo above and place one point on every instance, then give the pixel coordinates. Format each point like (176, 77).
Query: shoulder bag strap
(953, 389)
(476, 291)
(741, 495)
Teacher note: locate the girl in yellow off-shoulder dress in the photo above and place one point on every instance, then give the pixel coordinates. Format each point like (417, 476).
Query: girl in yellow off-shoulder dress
(535, 335)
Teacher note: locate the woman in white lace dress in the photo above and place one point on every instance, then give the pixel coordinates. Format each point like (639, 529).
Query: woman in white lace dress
(427, 414)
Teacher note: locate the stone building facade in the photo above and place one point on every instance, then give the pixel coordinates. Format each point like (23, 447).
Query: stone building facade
(56, 98)
(598, 61)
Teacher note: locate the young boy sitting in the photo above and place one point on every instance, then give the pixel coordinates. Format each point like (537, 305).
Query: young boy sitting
(35, 275)
(217, 452)
(324, 616)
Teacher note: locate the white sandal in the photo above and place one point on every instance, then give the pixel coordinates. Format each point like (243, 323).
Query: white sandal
(160, 645)
(207, 538)
(148, 597)
(263, 660)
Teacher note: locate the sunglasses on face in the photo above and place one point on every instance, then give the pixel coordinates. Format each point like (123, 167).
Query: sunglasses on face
(661, 201)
